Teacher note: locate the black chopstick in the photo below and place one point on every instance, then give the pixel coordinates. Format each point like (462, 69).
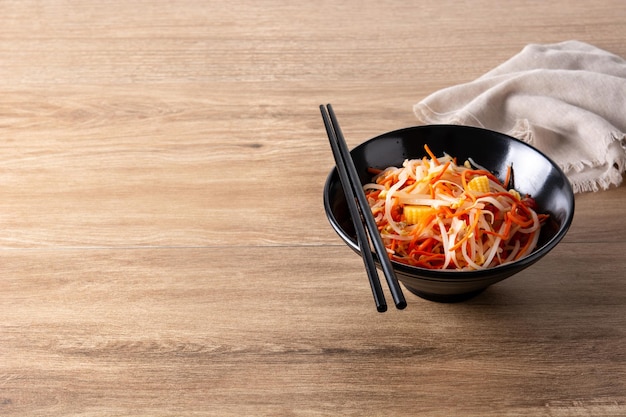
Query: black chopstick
(368, 259)
(361, 213)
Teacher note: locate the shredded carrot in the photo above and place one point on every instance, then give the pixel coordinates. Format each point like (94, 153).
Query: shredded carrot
(443, 171)
(430, 153)
(509, 177)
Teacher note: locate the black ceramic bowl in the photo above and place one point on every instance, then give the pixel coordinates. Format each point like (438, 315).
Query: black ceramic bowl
(534, 174)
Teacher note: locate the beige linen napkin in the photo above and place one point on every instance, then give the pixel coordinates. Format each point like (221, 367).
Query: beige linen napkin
(566, 99)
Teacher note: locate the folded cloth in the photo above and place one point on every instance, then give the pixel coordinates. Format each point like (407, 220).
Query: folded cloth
(566, 99)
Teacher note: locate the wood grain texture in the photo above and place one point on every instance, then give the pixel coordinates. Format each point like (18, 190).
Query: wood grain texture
(163, 241)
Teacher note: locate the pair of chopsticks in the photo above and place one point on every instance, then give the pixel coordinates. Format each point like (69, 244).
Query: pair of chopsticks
(361, 215)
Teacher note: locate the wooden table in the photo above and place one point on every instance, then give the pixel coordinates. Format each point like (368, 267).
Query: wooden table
(163, 241)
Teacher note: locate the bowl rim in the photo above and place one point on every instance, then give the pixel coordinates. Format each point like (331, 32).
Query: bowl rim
(448, 274)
